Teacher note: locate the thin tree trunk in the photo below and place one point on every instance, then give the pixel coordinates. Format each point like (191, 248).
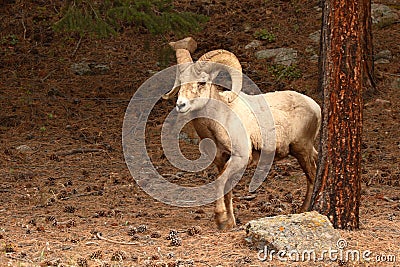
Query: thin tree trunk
(343, 72)
(369, 80)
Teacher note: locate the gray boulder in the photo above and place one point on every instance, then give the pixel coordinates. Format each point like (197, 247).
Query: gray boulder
(383, 57)
(315, 36)
(383, 15)
(396, 85)
(308, 232)
(86, 68)
(24, 148)
(253, 44)
(282, 56)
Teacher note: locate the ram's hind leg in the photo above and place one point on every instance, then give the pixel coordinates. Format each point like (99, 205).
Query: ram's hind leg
(307, 162)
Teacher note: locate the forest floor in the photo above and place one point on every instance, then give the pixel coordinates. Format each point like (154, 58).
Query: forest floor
(64, 181)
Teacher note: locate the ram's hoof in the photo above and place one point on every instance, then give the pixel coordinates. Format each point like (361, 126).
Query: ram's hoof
(304, 208)
(224, 222)
(226, 225)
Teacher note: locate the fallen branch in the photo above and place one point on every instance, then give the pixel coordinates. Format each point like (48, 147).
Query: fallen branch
(172, 175)
(249, 197)
(204, 262)
(47, 76)
(392, 74)
(78, 150)
(99, 236)
(388, 199)
(77, 46)
(18, 258)
(23, 25)
(91, 243)
(94, 193)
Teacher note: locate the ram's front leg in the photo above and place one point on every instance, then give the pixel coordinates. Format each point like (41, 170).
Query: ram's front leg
(223, 219)
(229, 175)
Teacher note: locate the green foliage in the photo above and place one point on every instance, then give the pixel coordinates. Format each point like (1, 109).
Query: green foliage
(82, 18)
(11, 40)
(263, 34)
(285, 72)
(105, 18)
(166, 55)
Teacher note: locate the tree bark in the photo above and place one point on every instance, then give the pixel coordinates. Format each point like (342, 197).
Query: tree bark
(368, 72)
(345, 68)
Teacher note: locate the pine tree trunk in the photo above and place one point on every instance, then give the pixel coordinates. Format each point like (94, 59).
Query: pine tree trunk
(345, 65)
(369, 81)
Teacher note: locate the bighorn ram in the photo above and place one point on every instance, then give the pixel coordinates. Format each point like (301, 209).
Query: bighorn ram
(296, 117)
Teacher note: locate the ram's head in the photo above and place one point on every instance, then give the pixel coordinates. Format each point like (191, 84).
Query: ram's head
(194, 81)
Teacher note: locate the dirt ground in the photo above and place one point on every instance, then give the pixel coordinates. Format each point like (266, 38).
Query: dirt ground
(66, 195)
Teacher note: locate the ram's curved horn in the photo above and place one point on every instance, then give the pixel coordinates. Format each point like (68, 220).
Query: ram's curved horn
(188, 43)
(226, 58)
(182, 48)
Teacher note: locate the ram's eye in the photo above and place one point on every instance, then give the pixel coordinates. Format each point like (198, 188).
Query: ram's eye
(202, 83)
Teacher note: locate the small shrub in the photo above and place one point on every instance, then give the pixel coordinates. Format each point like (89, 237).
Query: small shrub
(11, 40)
(263, 34)
(285, 72)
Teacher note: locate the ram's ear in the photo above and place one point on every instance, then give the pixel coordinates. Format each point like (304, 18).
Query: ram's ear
(171, 93)
(234, 68)
(204, 78)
